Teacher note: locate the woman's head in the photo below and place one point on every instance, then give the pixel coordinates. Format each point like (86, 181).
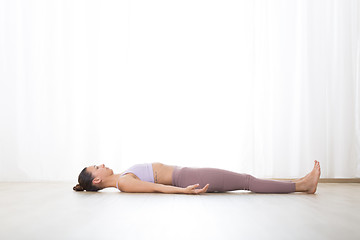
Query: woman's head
(92, 177)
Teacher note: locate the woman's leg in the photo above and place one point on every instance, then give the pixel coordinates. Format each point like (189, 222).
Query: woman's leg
(222, 180)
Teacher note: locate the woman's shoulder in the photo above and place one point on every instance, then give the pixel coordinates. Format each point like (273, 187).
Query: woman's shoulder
(129, 174)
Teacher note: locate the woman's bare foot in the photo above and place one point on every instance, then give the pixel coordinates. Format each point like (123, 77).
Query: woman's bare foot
(299, 179)
(309, 182)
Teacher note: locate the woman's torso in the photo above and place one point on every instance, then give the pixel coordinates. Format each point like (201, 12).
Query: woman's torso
(162, 173)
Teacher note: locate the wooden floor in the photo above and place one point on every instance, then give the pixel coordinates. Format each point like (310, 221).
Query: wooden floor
(55, 211)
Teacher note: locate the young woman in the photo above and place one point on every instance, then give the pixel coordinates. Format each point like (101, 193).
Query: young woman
(158, 177)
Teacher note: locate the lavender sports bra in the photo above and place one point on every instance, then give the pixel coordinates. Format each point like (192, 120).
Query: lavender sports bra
(143, 171)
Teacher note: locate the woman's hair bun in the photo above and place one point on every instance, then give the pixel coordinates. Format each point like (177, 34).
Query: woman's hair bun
(78, 188)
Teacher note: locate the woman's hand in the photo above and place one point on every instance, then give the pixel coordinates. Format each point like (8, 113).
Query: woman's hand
(191, 189)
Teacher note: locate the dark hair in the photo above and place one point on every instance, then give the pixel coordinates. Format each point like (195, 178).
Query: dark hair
(85, 182)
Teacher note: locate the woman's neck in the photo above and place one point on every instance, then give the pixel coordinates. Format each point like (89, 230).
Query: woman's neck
(111, 181)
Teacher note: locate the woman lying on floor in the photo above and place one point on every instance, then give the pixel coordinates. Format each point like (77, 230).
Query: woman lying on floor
(158, 177)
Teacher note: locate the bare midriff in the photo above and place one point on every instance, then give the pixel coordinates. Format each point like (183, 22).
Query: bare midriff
(162, 173)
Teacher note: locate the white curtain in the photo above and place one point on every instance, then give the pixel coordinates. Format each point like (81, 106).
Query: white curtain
(262, 87)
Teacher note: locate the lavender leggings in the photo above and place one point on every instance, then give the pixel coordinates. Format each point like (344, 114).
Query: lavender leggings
(222, 180)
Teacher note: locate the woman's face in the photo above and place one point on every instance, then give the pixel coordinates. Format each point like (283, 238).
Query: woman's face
(100, 171)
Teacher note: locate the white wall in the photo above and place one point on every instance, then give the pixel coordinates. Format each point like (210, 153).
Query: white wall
(263, 87)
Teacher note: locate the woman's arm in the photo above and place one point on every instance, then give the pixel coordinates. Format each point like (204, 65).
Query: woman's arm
(168, 189)
(129, 184)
